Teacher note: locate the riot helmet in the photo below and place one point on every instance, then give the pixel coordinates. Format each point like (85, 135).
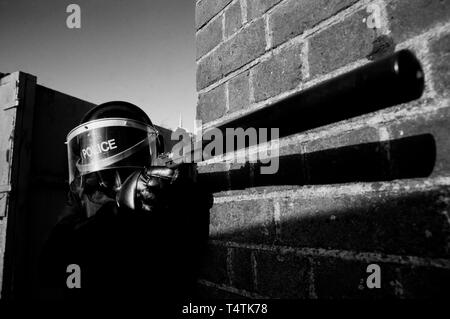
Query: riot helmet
(113, 140)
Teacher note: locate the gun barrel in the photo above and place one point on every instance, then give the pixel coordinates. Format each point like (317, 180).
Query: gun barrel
(392, 80)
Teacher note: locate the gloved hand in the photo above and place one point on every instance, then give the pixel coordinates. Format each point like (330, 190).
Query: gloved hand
(147, 189)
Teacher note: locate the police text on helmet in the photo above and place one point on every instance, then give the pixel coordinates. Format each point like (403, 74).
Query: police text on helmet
(99, 148)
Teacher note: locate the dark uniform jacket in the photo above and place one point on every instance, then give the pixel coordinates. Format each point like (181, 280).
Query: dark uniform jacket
(125, 254)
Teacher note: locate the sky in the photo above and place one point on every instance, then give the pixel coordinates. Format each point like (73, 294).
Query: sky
(140, 51)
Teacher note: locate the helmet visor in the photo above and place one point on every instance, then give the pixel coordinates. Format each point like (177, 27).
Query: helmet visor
(110, 143)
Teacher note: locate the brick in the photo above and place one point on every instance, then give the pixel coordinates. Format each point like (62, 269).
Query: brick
(441, 65)
(207, 9)
(242, 269)
(240, 174)
(233, 18)
(354, 155)
(290, 172)
(418, 282)
(336, 278)
(216, 176)
(243, 221)
(212, 105)
(408, 18)
(216, 167)
(293, 17)
(432, 128)
(256, 8)
(209, 37)
(282, 72)
(347, 138)
(409, 221)
(239, 91)
(282, 275)
(245, 46)
(340, 44)
(214, 265)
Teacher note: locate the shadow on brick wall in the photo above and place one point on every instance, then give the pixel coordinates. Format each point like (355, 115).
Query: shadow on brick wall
(410, 157)
(402, 220)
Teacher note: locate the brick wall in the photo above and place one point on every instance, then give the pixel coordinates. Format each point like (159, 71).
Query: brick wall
(315, 238)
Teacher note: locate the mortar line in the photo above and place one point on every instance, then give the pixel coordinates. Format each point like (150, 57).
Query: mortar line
(227, 96)
(369, 257)
(305, 62)
(243, 11)
(425, 52)
(251, 87)
(277, 218)
(411, 185)
(384, 28)
(268, 33)
(233, 290)
(254, 264)
(230, 266)
(224, 36)
(311, 278)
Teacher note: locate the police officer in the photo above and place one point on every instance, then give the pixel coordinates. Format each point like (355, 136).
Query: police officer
(131, 229)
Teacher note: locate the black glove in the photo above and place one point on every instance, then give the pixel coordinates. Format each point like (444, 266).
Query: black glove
(147, 190)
